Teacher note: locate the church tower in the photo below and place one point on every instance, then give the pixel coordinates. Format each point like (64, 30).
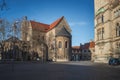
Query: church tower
(26, 30)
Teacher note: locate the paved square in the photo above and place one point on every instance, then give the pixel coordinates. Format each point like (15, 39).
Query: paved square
(83, 70)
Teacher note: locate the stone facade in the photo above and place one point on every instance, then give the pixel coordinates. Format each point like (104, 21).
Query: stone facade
(107, 29)
(87, 50)
(76, 53)
(52, 42)
(83, 52)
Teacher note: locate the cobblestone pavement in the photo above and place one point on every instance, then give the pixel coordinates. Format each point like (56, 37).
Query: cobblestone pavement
(82, 70)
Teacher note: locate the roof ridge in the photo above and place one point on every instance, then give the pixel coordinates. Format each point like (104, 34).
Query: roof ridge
(49, 26)
(39, 26)
(75, 47)
(40, 22)
(55, 23)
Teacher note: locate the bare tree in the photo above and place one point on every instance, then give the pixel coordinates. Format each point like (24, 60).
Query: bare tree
(4, 27)
(3, 22)
(3, 5)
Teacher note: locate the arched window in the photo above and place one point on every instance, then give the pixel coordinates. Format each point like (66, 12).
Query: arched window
(60, 44)
(66, 44)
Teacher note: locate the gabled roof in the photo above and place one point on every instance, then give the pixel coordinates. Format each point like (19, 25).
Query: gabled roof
(75, 47)
(39, 26)
(92, 44)
(63, 32)
(88, 45)
(54, 24)
(85, 46)
(45, 27)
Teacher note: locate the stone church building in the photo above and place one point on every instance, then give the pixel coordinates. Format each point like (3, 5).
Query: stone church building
(50, 41)
(107, 30)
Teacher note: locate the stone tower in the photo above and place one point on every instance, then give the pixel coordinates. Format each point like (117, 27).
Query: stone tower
(26, 30)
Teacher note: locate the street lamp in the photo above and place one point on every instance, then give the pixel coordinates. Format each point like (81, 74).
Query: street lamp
(14, 29)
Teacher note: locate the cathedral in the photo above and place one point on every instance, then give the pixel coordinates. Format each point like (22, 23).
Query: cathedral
(52, 42)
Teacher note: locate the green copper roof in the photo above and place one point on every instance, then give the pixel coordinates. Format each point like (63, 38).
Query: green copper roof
(100, 10)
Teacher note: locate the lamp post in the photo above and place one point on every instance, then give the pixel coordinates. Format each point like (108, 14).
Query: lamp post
(14, 29)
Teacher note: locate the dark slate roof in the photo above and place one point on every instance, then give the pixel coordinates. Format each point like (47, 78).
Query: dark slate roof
(63, 32)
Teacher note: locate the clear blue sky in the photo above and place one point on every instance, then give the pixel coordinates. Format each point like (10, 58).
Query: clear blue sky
(78, 13)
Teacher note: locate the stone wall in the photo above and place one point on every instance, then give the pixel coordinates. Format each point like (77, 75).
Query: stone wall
(106, 47)
(63, 52)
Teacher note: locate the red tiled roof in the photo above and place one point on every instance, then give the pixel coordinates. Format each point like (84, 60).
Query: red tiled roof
(54, 24)
(75, 47)
(85, 46)
(45, 27)
(39, 26)
(92, 44)
(88, 45)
